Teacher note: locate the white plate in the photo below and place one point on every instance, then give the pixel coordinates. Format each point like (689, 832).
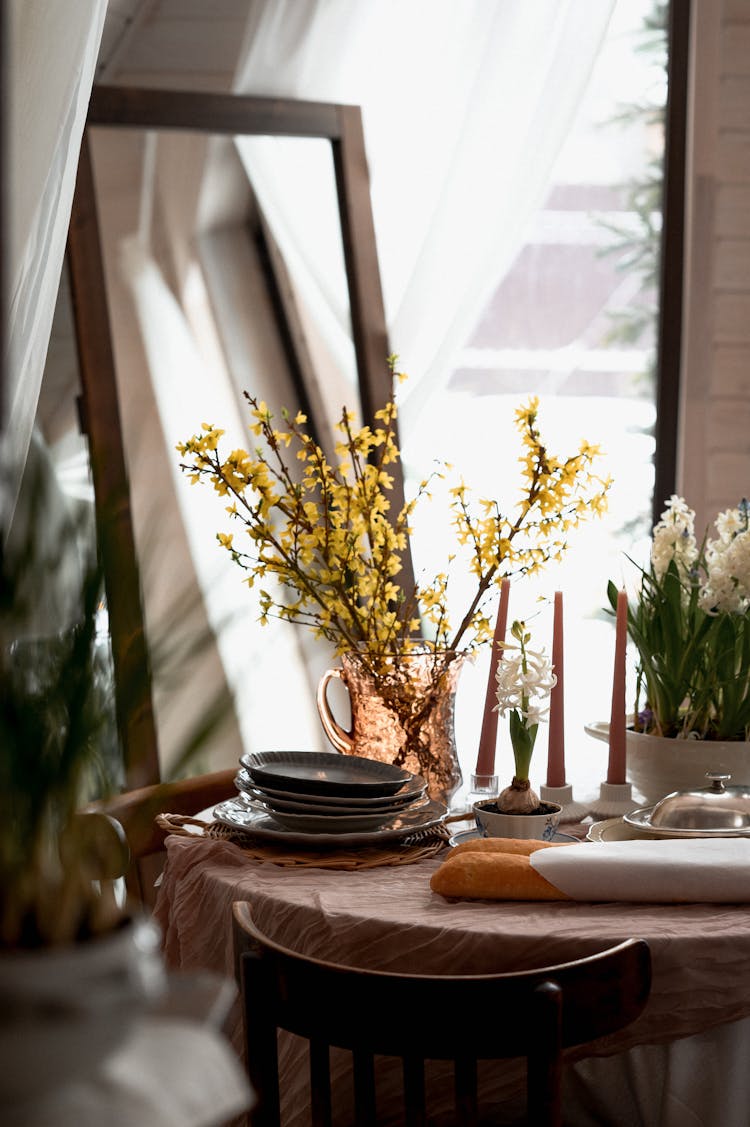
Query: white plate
(323, 772)
(235, 813)
(413, 789)
(613, 829)
(475, 835)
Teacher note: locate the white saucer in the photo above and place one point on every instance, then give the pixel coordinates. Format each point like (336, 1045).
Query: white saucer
(613, 829)
(475, 835)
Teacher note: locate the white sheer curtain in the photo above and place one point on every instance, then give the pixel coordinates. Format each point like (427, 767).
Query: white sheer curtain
(52, 57)
(464, 106)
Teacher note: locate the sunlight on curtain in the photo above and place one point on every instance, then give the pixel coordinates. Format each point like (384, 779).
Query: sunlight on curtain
(573, 320)
(294, 182)
(464, 110)
(262, 665)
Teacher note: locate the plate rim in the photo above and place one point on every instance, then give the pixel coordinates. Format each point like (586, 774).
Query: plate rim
(374, 820)
(295, 837)
(618, 820)
(416, 787)
(286, 804)
(474, 835)
(388, 777)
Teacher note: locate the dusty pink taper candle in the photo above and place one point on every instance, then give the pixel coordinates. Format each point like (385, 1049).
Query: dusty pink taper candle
(488, 737)
(556, 747)
(616, 767)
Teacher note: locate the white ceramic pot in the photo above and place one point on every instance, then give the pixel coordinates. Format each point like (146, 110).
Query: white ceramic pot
(539, 827)
(64, 1009)
(657, 766)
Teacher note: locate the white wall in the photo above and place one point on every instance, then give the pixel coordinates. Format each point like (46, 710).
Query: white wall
(714, 470)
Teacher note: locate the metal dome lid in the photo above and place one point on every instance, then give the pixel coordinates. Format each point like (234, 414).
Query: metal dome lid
(714, 811)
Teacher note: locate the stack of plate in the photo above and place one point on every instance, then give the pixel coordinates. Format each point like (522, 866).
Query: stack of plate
(308, 793)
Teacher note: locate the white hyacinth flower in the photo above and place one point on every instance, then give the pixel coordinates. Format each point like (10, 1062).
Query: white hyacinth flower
(674, 539)
(524, 689)
(727, 586)
(524, 681)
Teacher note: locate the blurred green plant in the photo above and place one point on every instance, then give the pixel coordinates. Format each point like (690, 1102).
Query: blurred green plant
(57, 867)
(61, 869)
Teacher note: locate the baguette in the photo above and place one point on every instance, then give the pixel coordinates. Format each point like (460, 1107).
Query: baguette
(520, 846)
(492, 876)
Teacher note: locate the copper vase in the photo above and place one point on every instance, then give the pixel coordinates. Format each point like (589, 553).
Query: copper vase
(402, 713)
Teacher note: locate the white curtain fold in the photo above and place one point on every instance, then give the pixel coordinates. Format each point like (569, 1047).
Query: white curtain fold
(53, 52)
(465, 107)
(294, 182)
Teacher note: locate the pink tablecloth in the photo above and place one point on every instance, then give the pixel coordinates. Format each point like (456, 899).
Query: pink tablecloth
(388, 917)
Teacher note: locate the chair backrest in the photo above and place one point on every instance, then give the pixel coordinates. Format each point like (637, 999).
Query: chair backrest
(534, 1014)
(136, 812)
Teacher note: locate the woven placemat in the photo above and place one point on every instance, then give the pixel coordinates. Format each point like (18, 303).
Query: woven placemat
(416, 847)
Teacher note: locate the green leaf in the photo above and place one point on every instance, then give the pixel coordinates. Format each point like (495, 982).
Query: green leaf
(522, 740)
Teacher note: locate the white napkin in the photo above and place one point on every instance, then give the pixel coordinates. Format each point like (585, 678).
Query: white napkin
(661, 870)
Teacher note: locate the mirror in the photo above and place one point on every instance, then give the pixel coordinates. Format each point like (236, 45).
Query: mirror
(197, 126)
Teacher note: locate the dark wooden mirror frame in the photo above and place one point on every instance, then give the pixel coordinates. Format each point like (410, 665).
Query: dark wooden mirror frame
(229, 115)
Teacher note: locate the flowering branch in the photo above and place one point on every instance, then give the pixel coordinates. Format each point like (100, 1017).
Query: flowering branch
(329, 535)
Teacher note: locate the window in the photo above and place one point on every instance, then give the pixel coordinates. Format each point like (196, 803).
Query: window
(574, 319)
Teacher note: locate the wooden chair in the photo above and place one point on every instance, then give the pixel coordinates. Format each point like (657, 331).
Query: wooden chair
(136, 812)
(533, 1014)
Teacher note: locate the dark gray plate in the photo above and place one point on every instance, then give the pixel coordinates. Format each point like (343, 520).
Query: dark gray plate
(311, 822)
(409, 792)
(322, 772)
(318, 805)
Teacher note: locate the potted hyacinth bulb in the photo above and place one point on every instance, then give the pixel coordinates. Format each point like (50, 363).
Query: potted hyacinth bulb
(524, 682)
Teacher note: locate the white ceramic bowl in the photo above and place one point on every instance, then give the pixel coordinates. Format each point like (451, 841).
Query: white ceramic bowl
(538, 827)
(657, 766)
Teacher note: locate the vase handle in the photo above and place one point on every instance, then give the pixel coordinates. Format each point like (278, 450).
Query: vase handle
(342, 740)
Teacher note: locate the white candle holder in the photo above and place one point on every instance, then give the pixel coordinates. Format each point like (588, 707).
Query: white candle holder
(615, 799)
(572, 811)
(485, 786)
